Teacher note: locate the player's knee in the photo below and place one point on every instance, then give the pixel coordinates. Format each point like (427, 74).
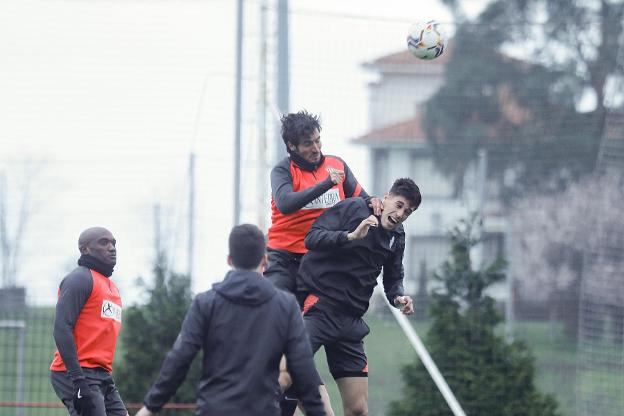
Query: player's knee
(359, 408)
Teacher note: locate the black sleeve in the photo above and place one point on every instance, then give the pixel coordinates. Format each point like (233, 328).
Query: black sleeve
(393, 272)
(351, 185)
(300, 363)
(74, 292)
(179, 359)
(287, 200)
(329, 231)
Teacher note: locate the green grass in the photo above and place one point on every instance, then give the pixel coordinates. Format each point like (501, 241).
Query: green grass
(386, 347)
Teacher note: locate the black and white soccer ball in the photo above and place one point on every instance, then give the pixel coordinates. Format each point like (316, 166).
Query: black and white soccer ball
(426, 40)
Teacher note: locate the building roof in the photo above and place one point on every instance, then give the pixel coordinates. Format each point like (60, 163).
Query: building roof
(405, 62)
(405, 132)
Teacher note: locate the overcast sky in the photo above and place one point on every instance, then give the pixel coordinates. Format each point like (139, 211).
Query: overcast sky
(100, 108)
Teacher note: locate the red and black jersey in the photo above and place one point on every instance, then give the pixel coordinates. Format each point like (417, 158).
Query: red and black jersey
(300, 195)
(88, 317)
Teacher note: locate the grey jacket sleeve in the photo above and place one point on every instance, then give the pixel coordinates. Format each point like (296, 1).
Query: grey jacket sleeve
(288, 201)
(178, 361)
(300, 363)
(393, 271)
(74, 292)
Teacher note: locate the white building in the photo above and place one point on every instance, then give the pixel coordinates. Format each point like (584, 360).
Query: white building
(398, 147)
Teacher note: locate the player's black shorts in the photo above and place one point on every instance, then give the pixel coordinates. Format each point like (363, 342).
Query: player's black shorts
(283, 270)
(106, 397)
(341, 334)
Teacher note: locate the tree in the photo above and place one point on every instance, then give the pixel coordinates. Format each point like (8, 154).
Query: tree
(149, 333)
(554, 231)
(523, 109)
(487, 375)
(16, 210)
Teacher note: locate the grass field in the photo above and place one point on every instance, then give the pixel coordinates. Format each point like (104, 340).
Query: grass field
(386, 347)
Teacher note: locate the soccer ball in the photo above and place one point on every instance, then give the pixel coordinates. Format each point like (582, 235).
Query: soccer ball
(426, 40)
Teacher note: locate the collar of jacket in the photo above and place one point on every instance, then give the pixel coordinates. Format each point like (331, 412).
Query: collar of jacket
(87, 260)
(304, 164)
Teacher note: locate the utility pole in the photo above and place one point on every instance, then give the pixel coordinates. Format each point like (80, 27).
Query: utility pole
(262, 127)
(238, 111)
(5, 245)
(191, 215)
(283, 73)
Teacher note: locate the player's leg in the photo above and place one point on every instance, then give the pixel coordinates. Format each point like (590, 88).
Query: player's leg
(349, 366)
(112, 400)
(354, 394)
(320, 330)
(280, 270)
(64, 389)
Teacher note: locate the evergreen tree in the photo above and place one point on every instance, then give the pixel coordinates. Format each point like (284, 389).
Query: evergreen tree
(149, 332)
(487, 375)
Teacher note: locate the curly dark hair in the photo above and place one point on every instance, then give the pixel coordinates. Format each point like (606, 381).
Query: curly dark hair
(298, 126)
(406, 188)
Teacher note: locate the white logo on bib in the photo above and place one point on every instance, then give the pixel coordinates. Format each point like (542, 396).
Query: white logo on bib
(327, 200)
(110, 310)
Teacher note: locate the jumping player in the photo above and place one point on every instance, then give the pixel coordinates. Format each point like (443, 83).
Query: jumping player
(348, 248)
(303, 186)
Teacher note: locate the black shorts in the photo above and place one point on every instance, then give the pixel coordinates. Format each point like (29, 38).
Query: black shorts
(342, 336)
(107, 399)
(283, 271)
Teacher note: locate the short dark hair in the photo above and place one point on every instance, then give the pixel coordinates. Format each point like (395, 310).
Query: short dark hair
(406, 188)
(297, 126)
(247, 246)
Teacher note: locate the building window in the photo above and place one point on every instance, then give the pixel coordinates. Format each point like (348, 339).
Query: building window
(380, 171)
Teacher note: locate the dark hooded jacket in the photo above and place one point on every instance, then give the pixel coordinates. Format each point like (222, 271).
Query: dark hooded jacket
(244, 326)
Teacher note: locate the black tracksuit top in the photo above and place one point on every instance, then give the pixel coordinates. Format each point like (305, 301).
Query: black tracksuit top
(243, 325)
(344, 273)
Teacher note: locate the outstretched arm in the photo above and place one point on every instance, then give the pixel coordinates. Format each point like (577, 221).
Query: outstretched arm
(393, 278)
(289, 201)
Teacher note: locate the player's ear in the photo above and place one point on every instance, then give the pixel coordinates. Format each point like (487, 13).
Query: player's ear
(292, 147)
(265, 262)
(229, 261)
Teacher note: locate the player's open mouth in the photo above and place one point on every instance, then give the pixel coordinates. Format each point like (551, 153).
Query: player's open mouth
(392, 221)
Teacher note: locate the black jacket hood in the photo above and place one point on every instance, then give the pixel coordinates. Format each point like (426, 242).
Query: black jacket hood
(245, 287)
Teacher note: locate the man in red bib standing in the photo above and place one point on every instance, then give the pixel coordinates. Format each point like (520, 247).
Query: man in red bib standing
(86, 325)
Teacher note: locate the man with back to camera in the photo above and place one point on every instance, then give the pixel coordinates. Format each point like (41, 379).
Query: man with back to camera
(86, 325)
(348, 248)
(244, 325)
(303, 186)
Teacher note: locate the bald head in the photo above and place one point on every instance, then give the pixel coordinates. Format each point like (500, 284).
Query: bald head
(91, 234)
(99, 243)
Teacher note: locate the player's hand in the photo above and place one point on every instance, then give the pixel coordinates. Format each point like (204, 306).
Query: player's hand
(362, 229)
(377, 205)
(336, 175)
(404, 303)
(143, 412)
(83, 398)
